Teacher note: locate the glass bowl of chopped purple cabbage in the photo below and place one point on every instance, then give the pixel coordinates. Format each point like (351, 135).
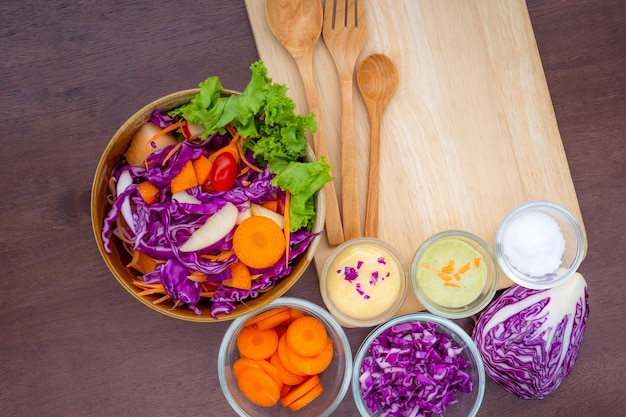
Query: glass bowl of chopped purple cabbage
(205, 212)
(539, 244)
(418, 364)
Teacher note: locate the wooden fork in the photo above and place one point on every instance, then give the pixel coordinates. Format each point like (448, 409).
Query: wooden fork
(345, 32)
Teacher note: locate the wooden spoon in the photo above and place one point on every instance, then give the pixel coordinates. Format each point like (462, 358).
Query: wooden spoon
(377, 78)
(297, 25)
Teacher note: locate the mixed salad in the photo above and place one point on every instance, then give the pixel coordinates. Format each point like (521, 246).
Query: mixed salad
(215, 199)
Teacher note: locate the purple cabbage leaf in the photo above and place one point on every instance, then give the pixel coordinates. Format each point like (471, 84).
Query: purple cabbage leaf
(529, 339)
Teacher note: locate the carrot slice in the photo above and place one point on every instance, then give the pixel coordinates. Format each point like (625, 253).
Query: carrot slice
(258, 387)
(243, 363)
(311, 365)
(283, 354)
(271, 370)
(307, 398)
(294, 314)
(299, 390)
(148, 192)
(307, 336)
(287, 377)
(265, 315)
(240, 278)
(257, 344)
(258, 242)
(273, 321)
(185, 179)
(284, 390)
(281, 329)
(202, 167)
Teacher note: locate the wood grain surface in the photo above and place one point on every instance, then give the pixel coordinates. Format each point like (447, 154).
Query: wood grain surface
(470, 133)
(74, 343)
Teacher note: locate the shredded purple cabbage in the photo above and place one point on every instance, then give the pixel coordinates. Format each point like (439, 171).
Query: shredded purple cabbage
(161, 228)
(413, 370)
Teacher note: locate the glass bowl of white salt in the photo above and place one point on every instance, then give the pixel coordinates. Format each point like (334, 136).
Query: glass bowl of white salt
(539, 244)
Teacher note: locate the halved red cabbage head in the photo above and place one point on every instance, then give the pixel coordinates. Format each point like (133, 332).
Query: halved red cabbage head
(529, 339)
(412, 369)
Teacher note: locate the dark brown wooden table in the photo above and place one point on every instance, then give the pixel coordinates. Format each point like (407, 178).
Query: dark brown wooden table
(74, 343)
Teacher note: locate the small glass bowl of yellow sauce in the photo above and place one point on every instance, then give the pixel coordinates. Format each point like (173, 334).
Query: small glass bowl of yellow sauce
(454, 274)
(363, 282)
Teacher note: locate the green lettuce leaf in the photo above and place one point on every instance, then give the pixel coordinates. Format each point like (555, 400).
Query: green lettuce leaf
(266, 115)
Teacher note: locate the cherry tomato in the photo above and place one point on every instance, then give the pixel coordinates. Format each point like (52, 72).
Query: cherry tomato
(223, 172)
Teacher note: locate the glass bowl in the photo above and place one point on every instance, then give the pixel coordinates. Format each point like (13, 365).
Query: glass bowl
(119, 257)
(363, 282)
(530, 239)
(454, 274)
(467, 404)
(335, 379)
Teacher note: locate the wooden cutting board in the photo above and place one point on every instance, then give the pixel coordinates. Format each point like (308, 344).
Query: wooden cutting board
(470, 132)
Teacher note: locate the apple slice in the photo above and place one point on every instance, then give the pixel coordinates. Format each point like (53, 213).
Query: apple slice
(124, 181)
(258, 210)
(244, 214)
(214, 229)
(142, 145)
(185, 197)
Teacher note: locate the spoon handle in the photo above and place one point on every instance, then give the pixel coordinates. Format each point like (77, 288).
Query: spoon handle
(373, 182)
(334, 229)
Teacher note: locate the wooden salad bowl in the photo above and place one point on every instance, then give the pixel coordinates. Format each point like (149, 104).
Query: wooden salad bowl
(117, 260)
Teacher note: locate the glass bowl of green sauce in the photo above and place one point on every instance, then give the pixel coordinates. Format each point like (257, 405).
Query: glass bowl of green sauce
(454, 274)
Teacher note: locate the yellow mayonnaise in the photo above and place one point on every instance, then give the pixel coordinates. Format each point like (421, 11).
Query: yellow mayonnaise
(364, 281)
(451, 273)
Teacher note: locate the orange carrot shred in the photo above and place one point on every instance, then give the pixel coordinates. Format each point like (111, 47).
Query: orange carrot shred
(451, 284)
(160, 300)
(171, 153)
(258, 242)
(441, 275)
(223, 256)
(449, 267)
(142, 262)
(464, 268)
(242, 154)
(476, 262)
(287, 225)
(457, 276)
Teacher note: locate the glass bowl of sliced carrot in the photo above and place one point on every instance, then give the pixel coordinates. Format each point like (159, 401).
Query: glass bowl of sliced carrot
(289, 356)
(199, 227)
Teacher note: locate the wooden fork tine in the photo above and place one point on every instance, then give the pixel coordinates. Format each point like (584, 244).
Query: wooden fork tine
(329, 10)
